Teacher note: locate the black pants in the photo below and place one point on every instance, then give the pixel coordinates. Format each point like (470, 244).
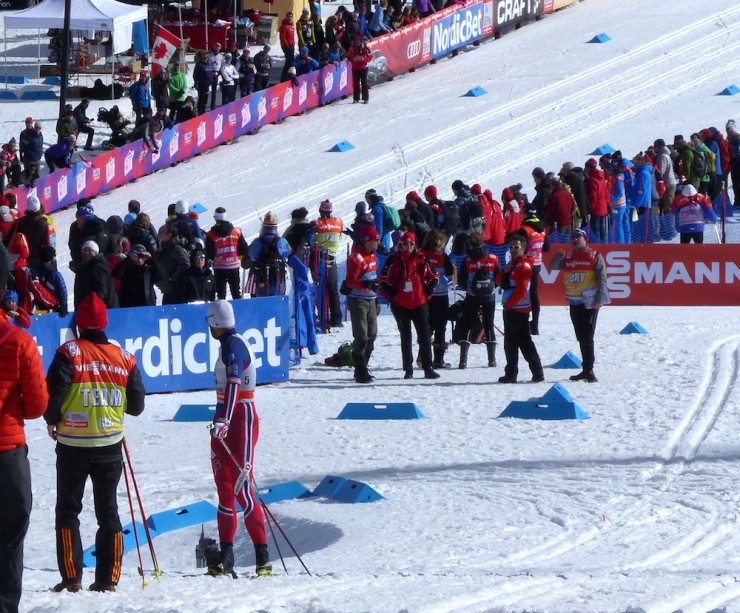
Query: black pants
(359, 84)
(15, 510)
(261, 82)
(245, 84)
(517, 337)
(584, 324)
(214, 91)
(90, 133)
(72, 473)
(439, 307)
(174, 107)
(534, 293)
(202, 98)
(687, 237)
(735, 176)
(289, 57)
(222, 276)
(228, 93)
(420, 318)
(332, 291)
(470, 312)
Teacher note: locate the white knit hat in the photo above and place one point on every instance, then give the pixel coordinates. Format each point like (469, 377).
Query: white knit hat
(220, 214)
(181, 208)
(220, 314)
(92, 245)
(33, 204)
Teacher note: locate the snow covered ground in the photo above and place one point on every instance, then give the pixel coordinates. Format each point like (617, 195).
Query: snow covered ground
(634, 509)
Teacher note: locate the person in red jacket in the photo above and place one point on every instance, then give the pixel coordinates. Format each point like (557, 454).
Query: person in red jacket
(597, 192)
(225, 247)
(534, 230)
(13, 312)
(560, 208)
(23, 396)
(514, 279)
(407, 282)
(287, 43)
(359, 56)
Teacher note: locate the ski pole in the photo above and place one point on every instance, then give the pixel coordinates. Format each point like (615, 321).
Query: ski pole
(265, 508)
(239, 485)
(157, 570)
(133, 524)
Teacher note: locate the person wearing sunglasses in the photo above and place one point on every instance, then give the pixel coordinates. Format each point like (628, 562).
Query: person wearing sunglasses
(586, 291)
(515, 279)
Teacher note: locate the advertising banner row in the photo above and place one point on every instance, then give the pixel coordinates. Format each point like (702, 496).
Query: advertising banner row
(124, 164)
(173, 346)
(659, 275)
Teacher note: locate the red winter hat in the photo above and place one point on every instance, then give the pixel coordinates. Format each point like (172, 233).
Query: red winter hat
(92, 314)
(592, 163)
(476, 189)
(507, 195)
(408, 237)
(430, 192)
(412, 197)
(369, 233)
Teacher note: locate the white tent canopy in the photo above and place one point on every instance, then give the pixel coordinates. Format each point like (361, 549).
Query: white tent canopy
(116, 17)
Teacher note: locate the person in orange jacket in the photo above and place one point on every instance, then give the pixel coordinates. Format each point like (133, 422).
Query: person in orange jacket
(23, 396)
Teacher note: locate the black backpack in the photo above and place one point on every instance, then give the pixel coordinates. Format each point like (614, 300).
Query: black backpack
(483, 283)
(452, 224)
(269, 272)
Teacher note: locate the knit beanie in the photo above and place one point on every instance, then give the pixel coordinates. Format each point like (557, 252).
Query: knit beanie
(91, 314)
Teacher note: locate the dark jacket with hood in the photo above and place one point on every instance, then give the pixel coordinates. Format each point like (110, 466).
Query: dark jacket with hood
(196, 284)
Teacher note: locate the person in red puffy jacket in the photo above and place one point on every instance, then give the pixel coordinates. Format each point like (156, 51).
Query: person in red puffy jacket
(560, 208)
(359, 56)
(597, 192)
(407, 282)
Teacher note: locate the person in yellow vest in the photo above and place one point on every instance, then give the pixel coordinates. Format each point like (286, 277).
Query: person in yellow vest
(328, 236)
(585, 288)
(91, 384)
(225, 246)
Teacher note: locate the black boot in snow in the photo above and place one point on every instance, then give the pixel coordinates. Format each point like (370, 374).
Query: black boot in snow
(439, 355)
(491, 349)
(262, 555)
(464, 347)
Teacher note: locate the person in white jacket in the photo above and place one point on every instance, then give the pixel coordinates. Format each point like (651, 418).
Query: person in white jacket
(229, 79)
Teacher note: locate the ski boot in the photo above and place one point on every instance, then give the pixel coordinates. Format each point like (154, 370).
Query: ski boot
(262, 555)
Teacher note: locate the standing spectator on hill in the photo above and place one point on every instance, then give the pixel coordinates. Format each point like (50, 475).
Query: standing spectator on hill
(687, 154)
(328, 236)
(229, 80)
(586, 292)
(377, 209)
(89, 437)
(512, 207)
(142, 232)
(573, 177)
(542, 190)
(50, 277)
(86, 227)
(34, 227)
(715, 178)
(174, 260)
(31, 144)
(477, 276)
(262, 67)
(514, 280)
(359, 56)
(225, 247)
(642, 188)
(140, 94)
(93, 276)
(83, 122)
(710, 159)
(691, 209)
(363, 23)
(378, 22)
(407, 283)
(304, 63)
(215, 63)
(306, 30)
(362, 282)
(287, 43)
(664, 166)
(178, 88)
(560, 208)
(23, 396)
(439, 303)
(246, 73)
(202, 79)
(299, 234)
(723, 159)
(423, 207)
(268, 255)
(597, 191)
(197, 283)
(534, 231)
(161, 89)
(67, 126)
(138, 274)
(619, 218)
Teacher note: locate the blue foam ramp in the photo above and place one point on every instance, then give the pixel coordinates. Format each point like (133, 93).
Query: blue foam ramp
(195, 412)
(129, 542)
(342, 146)
(633, 328)
(601, 37)
(44, 94)
(8, 95)
(389, 410)
(557, 393)
(603, 150)
(356, 491)
(541, 409)
(476, 91)
(52, 81)
(284, 491)
(197, 207)
(569, 360)
(182, 517)
(14, 79)
(329, 486)
(730, 90)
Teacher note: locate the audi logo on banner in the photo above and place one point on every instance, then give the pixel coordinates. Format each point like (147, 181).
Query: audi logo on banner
(413, 49)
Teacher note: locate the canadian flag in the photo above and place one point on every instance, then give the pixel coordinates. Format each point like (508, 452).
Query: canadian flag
(164, 47)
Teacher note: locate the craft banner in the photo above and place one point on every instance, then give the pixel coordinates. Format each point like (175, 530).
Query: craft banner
(511, 14)
(173, 346)
(659, 275)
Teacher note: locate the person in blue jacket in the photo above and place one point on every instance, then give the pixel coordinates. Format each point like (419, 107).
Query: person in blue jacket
(642, 186)
(377, 25)
(60, 155)
(267, 258)
(376, 204)
(304, 63)
(31, 143)
(140, 94)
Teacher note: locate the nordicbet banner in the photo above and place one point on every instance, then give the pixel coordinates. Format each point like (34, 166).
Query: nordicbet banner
(173, 346)
(460, 28)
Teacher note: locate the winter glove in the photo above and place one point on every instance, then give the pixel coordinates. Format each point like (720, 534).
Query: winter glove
(219, 429)
(429, 287)
(371, 284)
(388, 289)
